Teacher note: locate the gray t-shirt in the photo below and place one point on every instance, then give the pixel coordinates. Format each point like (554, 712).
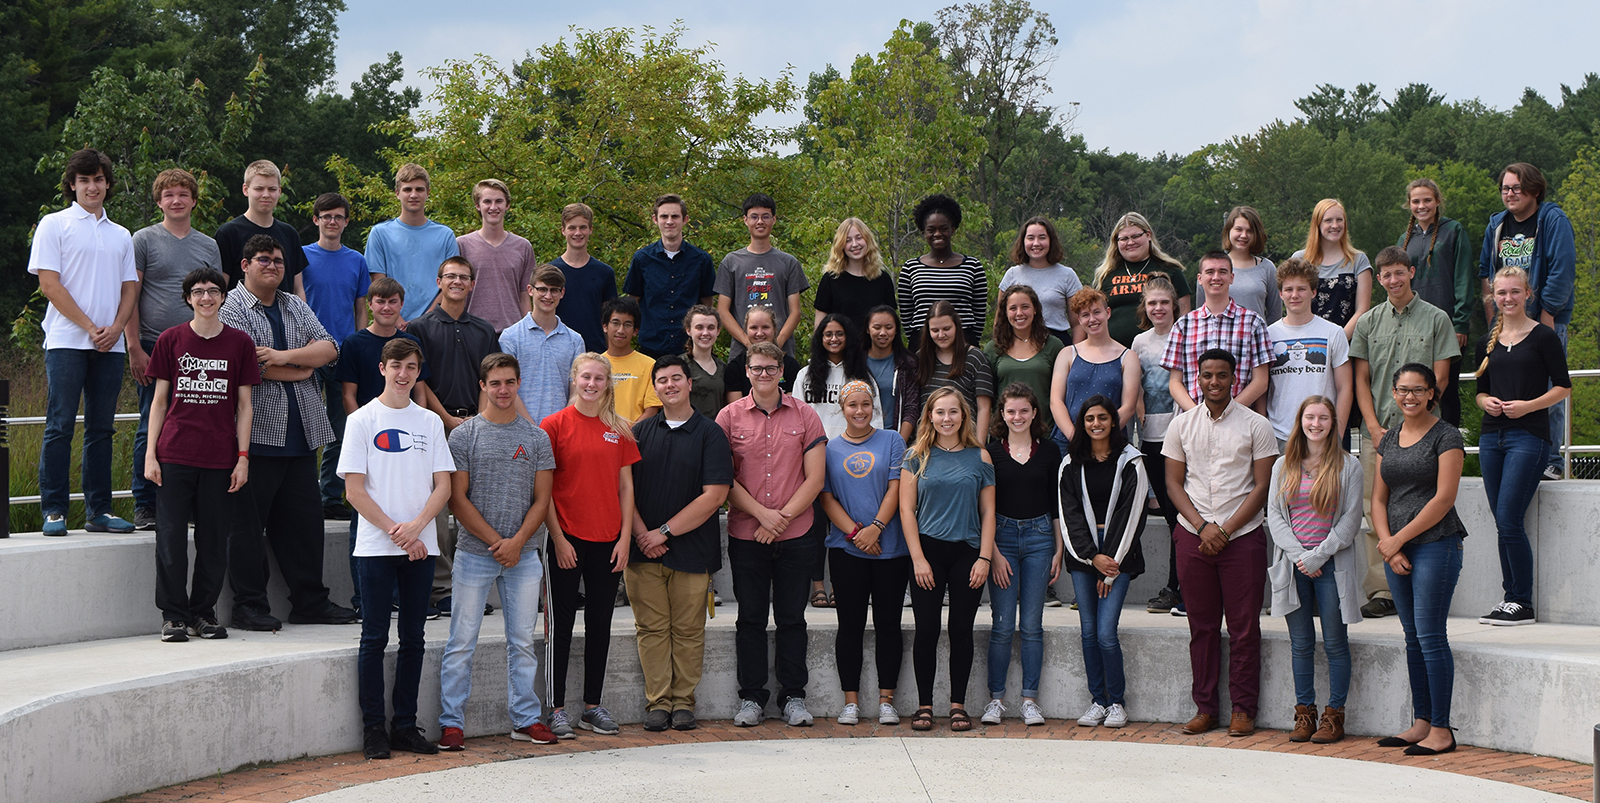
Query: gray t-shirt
(164, 260)
(1256, 288)
(1412, 474)
(1303, 359)
(501, 461)
(762, 280)
(1054, 286)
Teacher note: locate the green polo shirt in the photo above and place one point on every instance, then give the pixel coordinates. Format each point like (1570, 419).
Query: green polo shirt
(1388, 338)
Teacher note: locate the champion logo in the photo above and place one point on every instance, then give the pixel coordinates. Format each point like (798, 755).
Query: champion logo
(520, 454)
(398, 440)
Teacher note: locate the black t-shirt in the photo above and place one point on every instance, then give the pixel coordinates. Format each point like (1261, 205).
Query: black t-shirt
(1524, 371)
(737, 381)
(852, 296)
(1099, 476)
(294, 439)
(359, 357)
(1516, 241)
(232, 236)
(1025, 490)
(674, 465)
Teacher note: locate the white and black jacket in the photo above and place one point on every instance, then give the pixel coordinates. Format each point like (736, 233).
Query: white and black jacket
(1125, 522)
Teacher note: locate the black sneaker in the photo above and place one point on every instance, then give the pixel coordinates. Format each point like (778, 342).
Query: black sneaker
(144, 519)
(327, 613)
(443, 606)
(657, 720)
(375, 742)
(1377, 608)
(174, 631)
(1164, 601)
(411, 740)
(1050, 598)
(683, 720)
(1509, 614)
(251, 619)
(207, 627)
(433, 613)
(1552, 473)
(336, 512)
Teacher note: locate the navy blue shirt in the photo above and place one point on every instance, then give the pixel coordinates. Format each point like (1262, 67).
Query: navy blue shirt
(359, 357)
(588, 286)
(294, 439)
(667, 288)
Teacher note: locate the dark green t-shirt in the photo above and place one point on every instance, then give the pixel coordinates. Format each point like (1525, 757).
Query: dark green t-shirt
(1124, 285)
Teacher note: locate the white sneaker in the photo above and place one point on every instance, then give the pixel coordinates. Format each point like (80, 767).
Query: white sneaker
(993, 712)
(1116, 716)
(1094, 716)
(1032, 714)
(887, 715)
(907, 603)
(795, 713)
(850, 715)
(749, 714)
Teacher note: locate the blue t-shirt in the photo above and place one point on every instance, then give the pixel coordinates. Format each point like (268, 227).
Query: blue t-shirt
(947, 494)
(294, 438)
(411, 255)
(334, 280)
(588, 286)
(858, 477)
(883, 374)
(358, 362)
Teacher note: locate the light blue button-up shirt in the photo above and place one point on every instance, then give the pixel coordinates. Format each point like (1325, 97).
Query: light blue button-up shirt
(546, 361)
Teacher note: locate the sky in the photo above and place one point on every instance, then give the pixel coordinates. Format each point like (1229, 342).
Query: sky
(1148, 76)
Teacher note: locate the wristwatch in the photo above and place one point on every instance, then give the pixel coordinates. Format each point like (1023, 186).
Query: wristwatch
(665, 530)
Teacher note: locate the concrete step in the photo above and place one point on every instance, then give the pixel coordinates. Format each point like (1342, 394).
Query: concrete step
(146, 714)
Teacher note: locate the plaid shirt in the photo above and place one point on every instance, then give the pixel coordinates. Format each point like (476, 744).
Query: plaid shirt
(243, 310)
(1237, 330)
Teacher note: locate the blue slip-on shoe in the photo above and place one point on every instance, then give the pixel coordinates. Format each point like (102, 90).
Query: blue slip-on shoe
(107, 523)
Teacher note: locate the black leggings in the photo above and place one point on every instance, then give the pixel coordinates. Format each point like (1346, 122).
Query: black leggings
(855, 580)
(1155, 464)
(594, 569)
(952, 567)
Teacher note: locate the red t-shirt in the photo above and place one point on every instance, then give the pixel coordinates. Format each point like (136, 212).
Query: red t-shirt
(588, 458)
(205, 374)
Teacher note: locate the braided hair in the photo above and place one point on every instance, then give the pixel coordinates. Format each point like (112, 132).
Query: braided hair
(1508, 272)
(1438, 215)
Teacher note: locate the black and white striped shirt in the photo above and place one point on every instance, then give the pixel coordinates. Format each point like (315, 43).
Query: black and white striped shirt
(965, 285)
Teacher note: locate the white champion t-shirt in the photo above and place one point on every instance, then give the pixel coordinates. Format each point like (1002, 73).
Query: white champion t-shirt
(398, 451)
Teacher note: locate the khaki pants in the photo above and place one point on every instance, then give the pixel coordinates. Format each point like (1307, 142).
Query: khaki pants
(447, 554)
(669, 613)
(1376, 583)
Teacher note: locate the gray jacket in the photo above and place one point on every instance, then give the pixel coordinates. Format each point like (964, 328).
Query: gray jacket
(1334, 554)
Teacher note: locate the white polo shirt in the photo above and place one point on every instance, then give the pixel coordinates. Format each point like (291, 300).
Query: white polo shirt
(94, 257)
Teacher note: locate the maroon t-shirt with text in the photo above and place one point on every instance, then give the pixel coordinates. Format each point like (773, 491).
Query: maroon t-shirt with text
(205, 374)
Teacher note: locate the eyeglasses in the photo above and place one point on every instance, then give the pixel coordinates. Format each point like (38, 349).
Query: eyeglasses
(549, 291)
(268, 262)
(332, 218)
(762, 370)
(1131, 238)
(1511, 189)
(206, 292)
(455, 277)
(1412, 393)
(760, 218)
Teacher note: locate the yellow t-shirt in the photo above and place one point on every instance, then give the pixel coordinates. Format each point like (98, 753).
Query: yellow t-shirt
(635, 391)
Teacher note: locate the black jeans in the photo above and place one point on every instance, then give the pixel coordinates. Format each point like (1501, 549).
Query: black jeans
(201, 494)
(775, 577)
(952, 568)
(857, 581)
(1450, 402)
(1155, 465)
(819, 528)
(382, 578)
(600, 586)
(282, 496)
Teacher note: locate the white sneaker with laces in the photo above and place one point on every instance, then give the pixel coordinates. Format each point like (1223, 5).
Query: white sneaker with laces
(1032, 714)
(795, 713)
(1116, 716)
(887, 715)
(850, 715)
(749, 714)
(993, 712)
(1094, 716)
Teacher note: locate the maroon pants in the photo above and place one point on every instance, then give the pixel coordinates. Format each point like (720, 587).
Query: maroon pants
(1232, 583)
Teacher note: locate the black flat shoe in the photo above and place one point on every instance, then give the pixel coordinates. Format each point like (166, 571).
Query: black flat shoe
(1419, 750)
(1394, 741)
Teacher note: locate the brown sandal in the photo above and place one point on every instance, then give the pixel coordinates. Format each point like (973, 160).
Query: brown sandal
(959, 720)
(922, 720)
(819, 599)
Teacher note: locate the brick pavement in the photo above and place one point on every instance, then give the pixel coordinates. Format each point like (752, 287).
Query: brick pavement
(302, 778)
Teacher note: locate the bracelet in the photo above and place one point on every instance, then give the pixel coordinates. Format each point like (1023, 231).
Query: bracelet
(982, 558)
(245, 453)
(853, 532)
(880, 525)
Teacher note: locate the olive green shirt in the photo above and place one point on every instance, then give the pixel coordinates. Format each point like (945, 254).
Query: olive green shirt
(1388, 338)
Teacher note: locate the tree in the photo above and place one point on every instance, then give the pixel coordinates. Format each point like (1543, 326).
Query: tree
(1331, 110)
(1410, 99)
(1580, 199)
(1001, 52)
(895, 134)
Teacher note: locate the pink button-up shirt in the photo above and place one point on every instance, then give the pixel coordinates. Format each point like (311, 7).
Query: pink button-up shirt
(769, 452)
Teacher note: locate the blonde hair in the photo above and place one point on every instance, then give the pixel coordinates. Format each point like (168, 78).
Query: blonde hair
(411, 171)
(1328, 481)
(923, 443)
(477, 189)
(608, 399)
(873, 257)
(1113, 257)
(1507, 272)
(1155, 284)
(262, 167)
(1314, 236)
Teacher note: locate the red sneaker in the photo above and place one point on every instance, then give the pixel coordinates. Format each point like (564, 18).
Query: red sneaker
(537, 733)
(452, 740)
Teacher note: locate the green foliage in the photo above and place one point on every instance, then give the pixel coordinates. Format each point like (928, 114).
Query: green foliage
(1580, 199)
(1471, 195)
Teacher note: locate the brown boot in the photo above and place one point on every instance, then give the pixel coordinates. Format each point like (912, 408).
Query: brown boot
(1305, 723)
(1242, 724)
(1331, 729)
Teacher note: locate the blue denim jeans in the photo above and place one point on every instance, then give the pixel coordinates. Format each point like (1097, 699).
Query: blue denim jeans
(1422, 600)
(1323, 592)
(1028, 545)
(1511, 460)
(96, 378)
(328, 481)
(144, 491)
(1102, 650)
(519, 587)
(380, 577)
(1558, 414)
